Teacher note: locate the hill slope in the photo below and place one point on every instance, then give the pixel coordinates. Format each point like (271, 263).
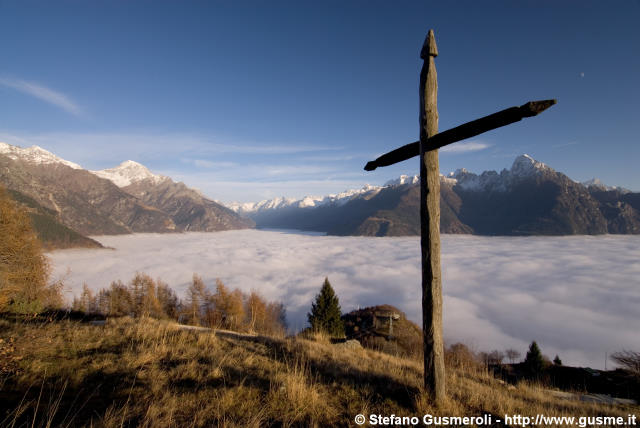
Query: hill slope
(83, 201)
(125, 199)
(151, 373)
(52, 233)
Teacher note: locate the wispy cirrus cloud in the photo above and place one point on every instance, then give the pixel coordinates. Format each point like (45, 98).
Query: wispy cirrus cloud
(92, 148)
(208, 164)
(43, 93)
(470, 146)
(225, 169)
(569, 143)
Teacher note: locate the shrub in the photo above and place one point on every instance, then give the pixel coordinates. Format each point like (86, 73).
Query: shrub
(460, 356)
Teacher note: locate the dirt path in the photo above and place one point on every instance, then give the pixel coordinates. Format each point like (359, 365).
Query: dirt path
(223, 333)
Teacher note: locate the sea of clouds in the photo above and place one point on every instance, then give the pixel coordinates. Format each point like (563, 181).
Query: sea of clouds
(578, 297)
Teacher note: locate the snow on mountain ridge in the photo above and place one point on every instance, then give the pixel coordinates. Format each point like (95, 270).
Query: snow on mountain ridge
(305, 202)
(595, 182)
(129, 172)
(523, 166)
(34, 154)
(402, 180)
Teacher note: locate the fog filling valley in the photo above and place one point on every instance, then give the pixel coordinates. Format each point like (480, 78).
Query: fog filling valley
(577, 296)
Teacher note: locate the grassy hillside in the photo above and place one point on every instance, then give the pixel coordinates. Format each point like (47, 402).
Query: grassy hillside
(143, 372)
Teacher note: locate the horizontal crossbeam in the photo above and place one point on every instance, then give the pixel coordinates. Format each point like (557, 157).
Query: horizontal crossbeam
(462, 132)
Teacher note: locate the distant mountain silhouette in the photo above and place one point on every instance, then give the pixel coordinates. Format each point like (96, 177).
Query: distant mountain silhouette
(531, 198)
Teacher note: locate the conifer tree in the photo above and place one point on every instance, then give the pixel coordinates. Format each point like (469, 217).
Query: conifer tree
(534, 362)
(557, 361)
(325, 312)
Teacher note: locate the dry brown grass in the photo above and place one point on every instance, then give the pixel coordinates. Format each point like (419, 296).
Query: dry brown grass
(144, 372)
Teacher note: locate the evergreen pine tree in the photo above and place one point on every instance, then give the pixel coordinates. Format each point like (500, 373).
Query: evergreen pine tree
(557, 361)
(534, 362)
(325, 312)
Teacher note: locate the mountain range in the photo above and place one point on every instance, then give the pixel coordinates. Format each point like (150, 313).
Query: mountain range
(67, 203)
(530, 198)
(125, 199)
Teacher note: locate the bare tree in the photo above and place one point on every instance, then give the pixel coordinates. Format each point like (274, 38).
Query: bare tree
(629, 360)
(495, 357)
(512, 354)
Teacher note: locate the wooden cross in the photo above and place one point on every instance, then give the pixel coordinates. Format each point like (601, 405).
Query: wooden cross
(427, 148)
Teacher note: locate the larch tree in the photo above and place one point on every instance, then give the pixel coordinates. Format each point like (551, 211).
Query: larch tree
(196, 297)
(168, 299)
(87, 302)
(24, 270)
(325, 312)
(256, 310)
(120, 299)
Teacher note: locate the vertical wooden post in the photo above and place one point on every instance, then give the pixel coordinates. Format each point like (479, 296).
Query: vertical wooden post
(430, 226)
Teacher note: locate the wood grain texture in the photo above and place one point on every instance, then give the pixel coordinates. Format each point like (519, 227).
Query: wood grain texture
(434, 380)
(462, 132)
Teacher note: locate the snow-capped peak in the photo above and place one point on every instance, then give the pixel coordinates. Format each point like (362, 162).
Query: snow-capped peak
(595, 182)
(34, 154)
(129, 172)
(305, 202)
(402, 180)
(525, 165)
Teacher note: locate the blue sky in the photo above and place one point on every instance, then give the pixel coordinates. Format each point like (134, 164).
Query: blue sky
(252, 100)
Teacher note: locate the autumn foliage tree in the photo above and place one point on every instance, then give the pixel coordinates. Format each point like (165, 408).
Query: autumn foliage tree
(222, 308)
(168, 299)
(87, 302)
(24, 270)
(230, 305)
(119, 300)
(262, 316)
